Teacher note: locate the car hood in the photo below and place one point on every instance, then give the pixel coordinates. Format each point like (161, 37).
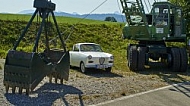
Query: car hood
(97, 54)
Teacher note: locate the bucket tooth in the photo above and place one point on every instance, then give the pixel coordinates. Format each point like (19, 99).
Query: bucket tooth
(61, 81)
(27, 91)
(6, 88)
(56, 80)
(20, 90)
(13, 89)
(50, 78)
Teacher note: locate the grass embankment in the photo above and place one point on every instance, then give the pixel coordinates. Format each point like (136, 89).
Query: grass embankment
(107, 34)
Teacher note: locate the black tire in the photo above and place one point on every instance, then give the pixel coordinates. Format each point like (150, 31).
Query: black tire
(175, 63)
(132, 58)
(183, 59)
(128, 55)
(83, 69)
(108, 69)
(141, 58)
(169, 57)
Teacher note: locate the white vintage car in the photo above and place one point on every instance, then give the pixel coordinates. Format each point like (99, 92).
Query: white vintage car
(90, 55)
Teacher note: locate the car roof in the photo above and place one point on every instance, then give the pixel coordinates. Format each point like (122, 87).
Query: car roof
(86, 43)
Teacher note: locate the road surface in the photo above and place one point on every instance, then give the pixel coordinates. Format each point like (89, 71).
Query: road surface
(173, 95)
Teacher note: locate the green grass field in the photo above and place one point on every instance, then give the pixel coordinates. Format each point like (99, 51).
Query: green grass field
(107, 34)
(60, 19)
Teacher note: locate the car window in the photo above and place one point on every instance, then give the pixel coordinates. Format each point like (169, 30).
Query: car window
(76, 48)
(98, 48)
(90, 47)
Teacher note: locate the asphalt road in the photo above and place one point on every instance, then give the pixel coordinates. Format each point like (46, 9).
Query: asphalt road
(173, 95)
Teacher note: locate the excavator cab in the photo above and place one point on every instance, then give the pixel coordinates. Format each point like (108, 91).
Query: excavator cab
(168, 22)
(24, 69)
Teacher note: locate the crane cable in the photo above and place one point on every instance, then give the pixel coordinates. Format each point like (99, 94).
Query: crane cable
(146, 6)
(120, 10)
(149, 5)
(72, 27)
(93, 11)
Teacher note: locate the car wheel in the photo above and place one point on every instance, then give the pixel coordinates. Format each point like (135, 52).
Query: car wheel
(108, 69)
(82, 67)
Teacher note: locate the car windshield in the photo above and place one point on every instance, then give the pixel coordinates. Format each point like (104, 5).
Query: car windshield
(90, 47)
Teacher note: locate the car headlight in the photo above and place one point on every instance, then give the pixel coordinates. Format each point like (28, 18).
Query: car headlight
(111, 57)
(89, 57)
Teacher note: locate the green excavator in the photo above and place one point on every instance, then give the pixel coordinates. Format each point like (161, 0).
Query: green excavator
(152, 31)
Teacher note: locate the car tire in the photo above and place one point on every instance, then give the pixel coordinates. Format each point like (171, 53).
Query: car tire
(108, 69)
(82, 67)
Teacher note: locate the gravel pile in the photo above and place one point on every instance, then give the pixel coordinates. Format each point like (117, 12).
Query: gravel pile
(83, 89)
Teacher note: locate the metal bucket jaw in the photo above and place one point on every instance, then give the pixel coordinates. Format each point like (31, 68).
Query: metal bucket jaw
(61, 64)
(26, 70)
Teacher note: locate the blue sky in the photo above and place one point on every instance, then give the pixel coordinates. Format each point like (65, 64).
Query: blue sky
(69, 6)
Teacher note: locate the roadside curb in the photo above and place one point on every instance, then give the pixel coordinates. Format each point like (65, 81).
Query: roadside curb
(138, 94)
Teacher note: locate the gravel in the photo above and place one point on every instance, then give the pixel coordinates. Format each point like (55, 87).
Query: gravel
(84, 89)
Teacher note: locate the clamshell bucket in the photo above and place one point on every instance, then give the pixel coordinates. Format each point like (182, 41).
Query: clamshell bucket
(26, 70)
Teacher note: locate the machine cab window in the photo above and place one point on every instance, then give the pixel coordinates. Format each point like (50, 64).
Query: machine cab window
(161, 15)
(178, 17)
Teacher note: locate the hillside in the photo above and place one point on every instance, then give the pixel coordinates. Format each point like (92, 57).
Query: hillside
(107, 34)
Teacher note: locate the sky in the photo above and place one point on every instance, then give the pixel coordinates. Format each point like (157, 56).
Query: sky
(69, 6)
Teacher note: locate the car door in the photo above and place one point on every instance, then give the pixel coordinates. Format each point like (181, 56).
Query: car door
(74, 56)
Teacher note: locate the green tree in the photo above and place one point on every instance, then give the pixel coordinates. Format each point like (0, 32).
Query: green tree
(112, 19)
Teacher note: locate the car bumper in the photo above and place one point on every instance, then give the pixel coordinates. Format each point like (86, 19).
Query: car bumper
(98, 66)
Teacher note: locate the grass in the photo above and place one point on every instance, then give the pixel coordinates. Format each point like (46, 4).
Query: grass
(107, 34)
(60, 19)
(15, 17)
